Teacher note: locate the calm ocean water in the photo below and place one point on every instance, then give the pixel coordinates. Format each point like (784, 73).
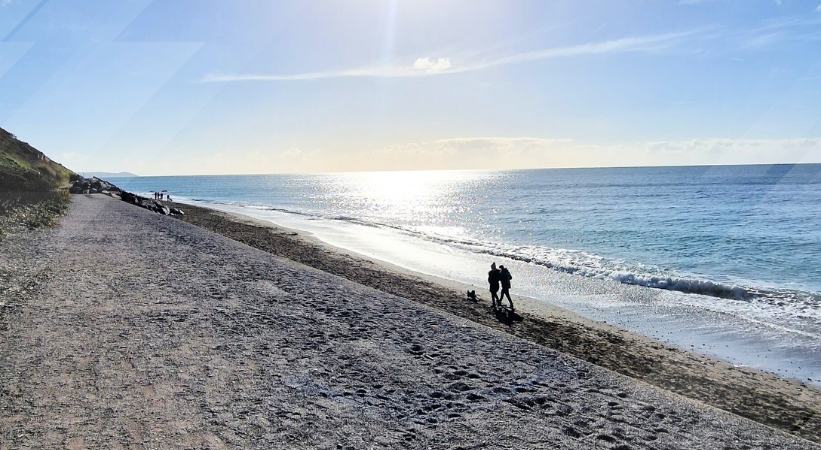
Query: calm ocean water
(744, 240)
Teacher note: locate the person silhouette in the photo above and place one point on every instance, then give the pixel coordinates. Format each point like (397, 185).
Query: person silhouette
(505, 278)
(493, 278)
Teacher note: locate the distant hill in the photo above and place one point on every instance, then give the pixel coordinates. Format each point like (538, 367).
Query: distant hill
(24, 168)
(106, 175)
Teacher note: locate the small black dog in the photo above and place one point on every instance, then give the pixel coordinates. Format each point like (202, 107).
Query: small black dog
(472, 296)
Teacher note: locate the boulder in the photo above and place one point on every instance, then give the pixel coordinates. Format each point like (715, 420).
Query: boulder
(81, 186)
(94, 185)
(128, 197)
(143, 202)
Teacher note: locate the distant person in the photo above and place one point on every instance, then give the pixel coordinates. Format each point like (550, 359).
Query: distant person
(493, 278)
(168, 196)
(505, 279)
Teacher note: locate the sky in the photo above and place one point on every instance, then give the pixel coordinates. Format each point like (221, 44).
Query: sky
(171, 87)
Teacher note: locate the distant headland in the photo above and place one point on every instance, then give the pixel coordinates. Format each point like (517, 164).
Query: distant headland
(108, 174)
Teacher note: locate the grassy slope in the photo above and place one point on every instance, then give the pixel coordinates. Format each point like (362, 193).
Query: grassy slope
(31, 194)
(24, 168)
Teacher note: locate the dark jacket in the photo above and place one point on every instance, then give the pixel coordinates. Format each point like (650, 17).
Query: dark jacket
(493, 278)
(505, 278)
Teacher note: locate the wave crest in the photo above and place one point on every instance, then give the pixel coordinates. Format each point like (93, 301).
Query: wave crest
(581, 263)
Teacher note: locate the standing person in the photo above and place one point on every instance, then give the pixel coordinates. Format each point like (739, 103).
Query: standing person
(493, 278)
(505, 277)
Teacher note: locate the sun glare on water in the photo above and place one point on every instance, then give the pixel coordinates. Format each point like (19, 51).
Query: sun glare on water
(416, 196)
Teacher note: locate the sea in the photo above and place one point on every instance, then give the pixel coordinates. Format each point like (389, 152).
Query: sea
(721, 260)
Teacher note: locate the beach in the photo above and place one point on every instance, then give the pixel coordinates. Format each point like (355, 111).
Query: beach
(787, 404)
(124, 328)
(717, 260)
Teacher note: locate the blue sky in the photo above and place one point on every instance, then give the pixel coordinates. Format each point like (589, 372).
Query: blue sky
(200, 86)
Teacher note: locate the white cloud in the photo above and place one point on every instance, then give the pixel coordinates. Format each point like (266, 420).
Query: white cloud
(440, 66)
(432, 65)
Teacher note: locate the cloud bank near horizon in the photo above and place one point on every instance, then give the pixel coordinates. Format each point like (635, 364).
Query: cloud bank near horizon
(481, 153)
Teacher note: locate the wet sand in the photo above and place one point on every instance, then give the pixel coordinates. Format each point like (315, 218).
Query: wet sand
(123, 328)
(786, 404)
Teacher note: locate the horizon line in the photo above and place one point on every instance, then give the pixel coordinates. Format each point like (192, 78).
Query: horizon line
(465, 170)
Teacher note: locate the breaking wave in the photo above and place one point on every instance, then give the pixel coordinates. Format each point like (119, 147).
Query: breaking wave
(582, 263)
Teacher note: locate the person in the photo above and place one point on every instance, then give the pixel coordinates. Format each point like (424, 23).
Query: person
(505, 278)
(493, 278)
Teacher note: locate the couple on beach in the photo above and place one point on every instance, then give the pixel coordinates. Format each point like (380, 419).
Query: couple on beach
(496, 277)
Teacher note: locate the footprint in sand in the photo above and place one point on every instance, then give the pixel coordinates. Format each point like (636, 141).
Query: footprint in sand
(459, 387)
(475, 397)
(572, 432)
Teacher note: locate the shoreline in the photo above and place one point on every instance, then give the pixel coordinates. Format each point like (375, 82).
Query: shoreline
(756, 334)
(790, 405)
(126, 328)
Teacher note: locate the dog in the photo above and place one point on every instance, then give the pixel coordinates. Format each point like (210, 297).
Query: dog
(472, 296)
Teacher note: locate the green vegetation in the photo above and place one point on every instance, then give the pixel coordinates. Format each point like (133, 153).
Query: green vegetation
(33, 188)
(30, 210)
(24, 168)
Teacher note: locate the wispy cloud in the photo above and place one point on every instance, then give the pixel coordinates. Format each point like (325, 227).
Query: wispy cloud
(781, 30)
(431, 66)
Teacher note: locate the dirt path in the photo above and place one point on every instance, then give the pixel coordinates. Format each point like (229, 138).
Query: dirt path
(124, 328)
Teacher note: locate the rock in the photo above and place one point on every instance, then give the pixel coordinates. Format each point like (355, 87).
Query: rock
(81, 186)
(177, 212)
(94, 185)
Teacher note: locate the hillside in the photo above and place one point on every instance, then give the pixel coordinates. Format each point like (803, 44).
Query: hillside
(24, 168)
